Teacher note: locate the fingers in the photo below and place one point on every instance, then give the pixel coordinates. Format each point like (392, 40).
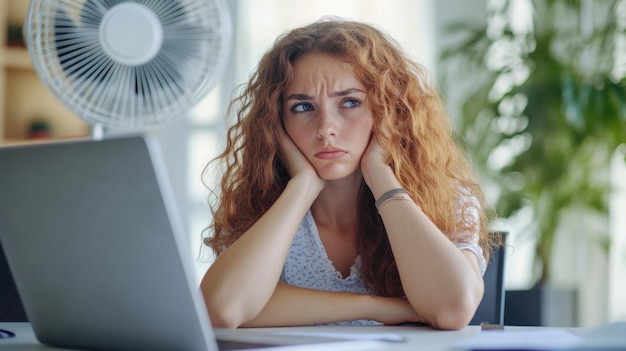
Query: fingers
(374, 154)
(291, 156)
(296, 163)
(395, 310)
(375, 167)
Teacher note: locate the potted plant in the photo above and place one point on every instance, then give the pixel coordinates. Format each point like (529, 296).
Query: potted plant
(39, 129)
(546, 112)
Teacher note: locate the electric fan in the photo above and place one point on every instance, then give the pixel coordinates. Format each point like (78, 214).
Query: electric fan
(128, 63)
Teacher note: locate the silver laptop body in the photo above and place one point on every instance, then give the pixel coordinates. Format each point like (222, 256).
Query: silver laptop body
(95, 246)
(87, 230)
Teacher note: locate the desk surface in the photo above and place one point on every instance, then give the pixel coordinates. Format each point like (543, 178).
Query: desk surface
(427, 338)
(415, 337)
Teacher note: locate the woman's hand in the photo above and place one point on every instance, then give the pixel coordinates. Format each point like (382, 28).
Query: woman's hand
(378, 175)
(241, 281)
(296, 163)
(374, 154)
(396, 310)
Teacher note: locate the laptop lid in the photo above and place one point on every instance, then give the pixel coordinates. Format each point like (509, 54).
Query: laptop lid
(94, 242)
(95, 247)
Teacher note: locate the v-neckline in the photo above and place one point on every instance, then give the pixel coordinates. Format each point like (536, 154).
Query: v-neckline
(322, 249)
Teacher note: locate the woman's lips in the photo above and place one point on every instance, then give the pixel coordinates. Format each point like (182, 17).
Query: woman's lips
(330, 153)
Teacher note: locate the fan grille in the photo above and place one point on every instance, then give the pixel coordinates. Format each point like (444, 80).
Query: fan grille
(64, 42)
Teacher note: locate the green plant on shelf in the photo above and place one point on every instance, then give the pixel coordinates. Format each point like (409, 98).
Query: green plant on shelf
(15, 35)
(39, 129)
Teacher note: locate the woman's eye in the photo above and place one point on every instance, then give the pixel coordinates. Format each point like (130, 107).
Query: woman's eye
(302, 107)
(351, 103)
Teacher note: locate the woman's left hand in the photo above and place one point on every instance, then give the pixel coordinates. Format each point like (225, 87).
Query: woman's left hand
(374, 162)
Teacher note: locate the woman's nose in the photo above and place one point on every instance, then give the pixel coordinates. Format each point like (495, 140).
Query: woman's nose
(327, 126)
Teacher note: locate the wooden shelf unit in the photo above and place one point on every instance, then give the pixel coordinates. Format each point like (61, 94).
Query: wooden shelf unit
(23, 96)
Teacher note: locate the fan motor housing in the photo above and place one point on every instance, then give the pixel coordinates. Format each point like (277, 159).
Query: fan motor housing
(131, 33)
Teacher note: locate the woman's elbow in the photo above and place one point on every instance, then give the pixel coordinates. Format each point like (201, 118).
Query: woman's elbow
(223, 312)
(457, 314)
(220, 322)
(454, 317)
(224, 317)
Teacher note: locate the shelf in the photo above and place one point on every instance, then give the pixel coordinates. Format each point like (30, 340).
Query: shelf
(24, 98)
(17, 58)
(20, 142)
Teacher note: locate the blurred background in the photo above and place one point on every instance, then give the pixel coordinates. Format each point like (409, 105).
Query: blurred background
(535, 89)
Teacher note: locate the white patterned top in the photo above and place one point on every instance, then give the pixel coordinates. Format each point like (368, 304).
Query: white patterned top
(308, 266)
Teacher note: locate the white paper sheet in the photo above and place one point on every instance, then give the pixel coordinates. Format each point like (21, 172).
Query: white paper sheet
(544, 340)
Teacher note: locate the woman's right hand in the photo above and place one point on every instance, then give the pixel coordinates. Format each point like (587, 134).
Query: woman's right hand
(296, 163)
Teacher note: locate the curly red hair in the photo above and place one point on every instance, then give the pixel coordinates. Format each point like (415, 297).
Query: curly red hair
(410, 122)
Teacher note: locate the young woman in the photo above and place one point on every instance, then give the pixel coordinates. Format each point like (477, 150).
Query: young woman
(344, 197)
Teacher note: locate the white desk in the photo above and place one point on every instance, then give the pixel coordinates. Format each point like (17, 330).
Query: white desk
(426, 338)
(416, 338)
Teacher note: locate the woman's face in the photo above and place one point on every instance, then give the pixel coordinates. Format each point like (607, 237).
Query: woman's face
(325, 114)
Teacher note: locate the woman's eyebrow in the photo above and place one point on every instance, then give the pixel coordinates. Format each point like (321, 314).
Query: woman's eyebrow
(334, 94)
(347, 92)
(299, 97)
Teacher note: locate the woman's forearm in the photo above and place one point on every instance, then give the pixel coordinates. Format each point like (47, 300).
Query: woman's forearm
(443, 283)
(293, 306)
(241, 280)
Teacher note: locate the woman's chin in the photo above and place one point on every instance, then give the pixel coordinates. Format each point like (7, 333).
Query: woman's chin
(337, 173)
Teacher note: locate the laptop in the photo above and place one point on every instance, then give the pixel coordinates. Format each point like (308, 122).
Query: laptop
(93, 239)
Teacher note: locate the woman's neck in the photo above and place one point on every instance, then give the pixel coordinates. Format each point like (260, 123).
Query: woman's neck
(336, 205)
